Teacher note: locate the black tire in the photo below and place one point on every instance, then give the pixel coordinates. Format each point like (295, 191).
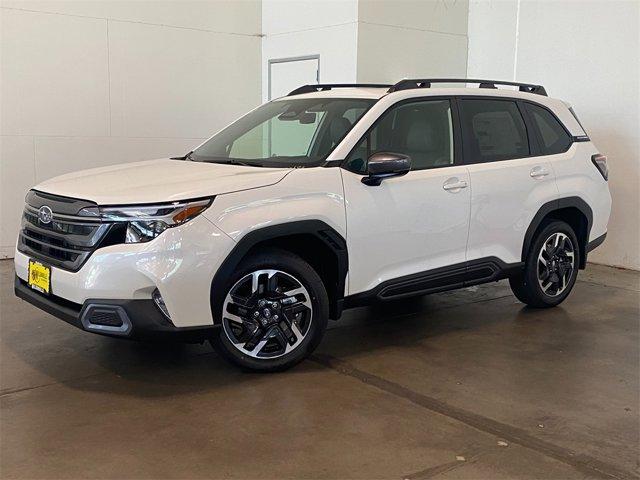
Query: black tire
(296, 267)
(526, 286)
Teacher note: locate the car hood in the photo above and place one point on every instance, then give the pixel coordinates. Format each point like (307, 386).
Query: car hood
(162, 180)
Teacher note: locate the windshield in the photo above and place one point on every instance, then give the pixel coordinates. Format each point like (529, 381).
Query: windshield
(285, 133)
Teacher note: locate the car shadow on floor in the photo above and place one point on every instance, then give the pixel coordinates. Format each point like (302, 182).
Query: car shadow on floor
(148, 369)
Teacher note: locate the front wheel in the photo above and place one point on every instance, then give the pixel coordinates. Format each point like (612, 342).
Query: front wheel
(551, 267)
(274, 313)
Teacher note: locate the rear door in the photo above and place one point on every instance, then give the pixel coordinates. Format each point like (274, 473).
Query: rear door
(510, 181)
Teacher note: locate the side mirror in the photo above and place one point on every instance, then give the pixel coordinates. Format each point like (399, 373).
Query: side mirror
(383, 165)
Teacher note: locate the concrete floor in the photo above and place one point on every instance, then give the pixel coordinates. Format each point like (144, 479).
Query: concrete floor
(465, 384)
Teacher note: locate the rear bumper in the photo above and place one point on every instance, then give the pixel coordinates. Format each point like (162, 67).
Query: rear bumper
(133, 319)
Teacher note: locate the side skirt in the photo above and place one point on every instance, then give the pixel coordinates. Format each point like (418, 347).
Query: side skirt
(465, 274)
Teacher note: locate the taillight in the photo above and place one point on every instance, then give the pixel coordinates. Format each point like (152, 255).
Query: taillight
(600, 161)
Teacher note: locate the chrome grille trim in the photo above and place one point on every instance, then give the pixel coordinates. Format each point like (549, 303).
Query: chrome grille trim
(68, 239)
(75, 219)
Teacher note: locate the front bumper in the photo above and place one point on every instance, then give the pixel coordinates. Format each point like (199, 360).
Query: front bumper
(134, 319)
(180, 263)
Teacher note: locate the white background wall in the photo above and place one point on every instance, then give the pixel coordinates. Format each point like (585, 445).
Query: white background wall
(586, 53)
(411, 38)
(368, 40)
(92, 83)
(294, 28)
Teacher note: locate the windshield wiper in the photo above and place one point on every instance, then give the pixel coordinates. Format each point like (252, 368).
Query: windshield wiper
(244, 164)
(185, 157)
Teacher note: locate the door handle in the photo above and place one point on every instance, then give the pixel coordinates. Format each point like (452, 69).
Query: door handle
(454, 184)
(539, 172)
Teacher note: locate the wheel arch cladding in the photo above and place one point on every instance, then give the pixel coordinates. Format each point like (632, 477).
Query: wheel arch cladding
(313, 240)
(572, 210)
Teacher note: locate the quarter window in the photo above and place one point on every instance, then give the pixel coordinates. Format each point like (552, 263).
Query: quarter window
(553, 137)
(423, 130)
(494, 129)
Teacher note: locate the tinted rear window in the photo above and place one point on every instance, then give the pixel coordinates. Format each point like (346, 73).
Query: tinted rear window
(494, 130)
(553, 137)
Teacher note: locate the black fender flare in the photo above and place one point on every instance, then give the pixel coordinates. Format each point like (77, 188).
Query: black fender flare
(321, 230)
(550, 207)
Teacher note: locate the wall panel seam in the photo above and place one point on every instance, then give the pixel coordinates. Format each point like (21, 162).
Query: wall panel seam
(99, 136)
(310, 29)
(139, 22)
(402, 27)
(517, 37)
(109, 78)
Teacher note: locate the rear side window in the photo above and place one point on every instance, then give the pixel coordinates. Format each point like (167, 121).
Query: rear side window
(494, 130)
(553, 137)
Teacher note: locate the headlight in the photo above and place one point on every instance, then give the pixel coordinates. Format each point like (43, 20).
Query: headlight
(146, 222)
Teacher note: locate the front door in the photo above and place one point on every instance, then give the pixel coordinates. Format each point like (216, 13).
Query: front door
(414, 223)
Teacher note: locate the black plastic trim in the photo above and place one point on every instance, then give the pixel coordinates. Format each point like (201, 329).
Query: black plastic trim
(58, 203)
(321, 87)
(550, 207)
(409, 84)
(147, 323)
(318, 228)
(451, 277)
(595, 243)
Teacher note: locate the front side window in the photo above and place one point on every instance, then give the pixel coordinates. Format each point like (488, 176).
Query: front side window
(423, 130)
(553, 137)
(494, 130)
(285, 133)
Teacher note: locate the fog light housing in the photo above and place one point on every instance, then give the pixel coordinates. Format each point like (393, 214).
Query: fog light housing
(159, 301)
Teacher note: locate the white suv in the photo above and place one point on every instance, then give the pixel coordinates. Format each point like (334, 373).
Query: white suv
(332, 197)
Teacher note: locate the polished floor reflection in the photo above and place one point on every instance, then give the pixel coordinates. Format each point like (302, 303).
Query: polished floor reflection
(465, 384)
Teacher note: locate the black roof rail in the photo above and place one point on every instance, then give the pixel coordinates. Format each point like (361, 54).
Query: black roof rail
(408, 84)
(329, 86)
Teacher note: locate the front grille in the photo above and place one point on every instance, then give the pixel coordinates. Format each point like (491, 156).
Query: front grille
(71, 236)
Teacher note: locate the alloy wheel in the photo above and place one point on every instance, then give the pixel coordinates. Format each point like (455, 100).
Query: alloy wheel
(267, 314)
(556, 263)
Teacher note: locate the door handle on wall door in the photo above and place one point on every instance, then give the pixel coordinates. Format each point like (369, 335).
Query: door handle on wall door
(538, 172)
(454, 184)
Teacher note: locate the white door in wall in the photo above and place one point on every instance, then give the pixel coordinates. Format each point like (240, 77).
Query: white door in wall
(287, 74)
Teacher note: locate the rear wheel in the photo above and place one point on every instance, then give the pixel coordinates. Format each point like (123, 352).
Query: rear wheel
(274, 313)
(551, 267)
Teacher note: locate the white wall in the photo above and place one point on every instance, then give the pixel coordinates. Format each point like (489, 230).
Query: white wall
(294, 28)
(91, 83)
(411, 38)
(588, 54)
(368, 40)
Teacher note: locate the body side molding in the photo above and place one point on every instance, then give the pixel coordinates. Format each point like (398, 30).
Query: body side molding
(462, 274)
